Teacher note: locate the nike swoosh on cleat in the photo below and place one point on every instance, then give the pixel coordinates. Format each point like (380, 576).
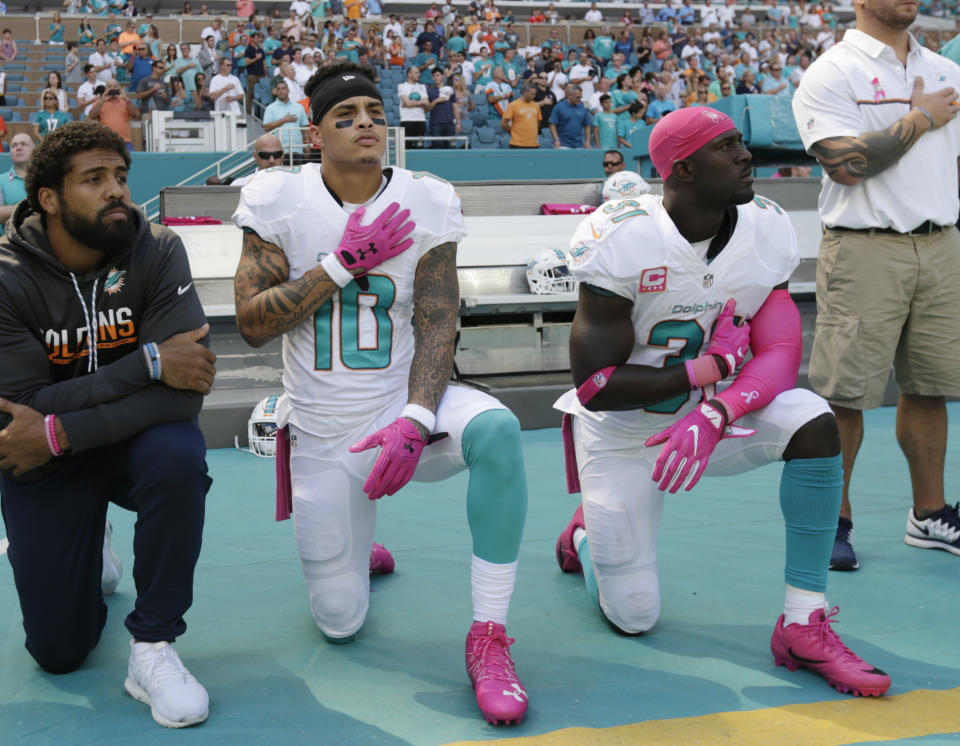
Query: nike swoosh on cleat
(801, 658)
(925, 531)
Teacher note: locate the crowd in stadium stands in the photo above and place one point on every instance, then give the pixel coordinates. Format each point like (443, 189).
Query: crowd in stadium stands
(456, 74)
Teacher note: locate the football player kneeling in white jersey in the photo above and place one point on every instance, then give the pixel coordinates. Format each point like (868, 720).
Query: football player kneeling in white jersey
(662, 280)
(356, 267)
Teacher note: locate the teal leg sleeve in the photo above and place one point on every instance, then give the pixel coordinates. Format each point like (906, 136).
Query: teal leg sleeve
(589, 577)
(810, 491)
(497, 493)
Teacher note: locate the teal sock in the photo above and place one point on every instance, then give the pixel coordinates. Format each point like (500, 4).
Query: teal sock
(589, 577)
(497, 493)
(810, 493)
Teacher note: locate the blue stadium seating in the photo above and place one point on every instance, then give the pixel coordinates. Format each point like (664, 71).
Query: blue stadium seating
(483, 138)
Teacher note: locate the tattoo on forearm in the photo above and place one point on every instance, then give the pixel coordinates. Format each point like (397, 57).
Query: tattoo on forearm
(436, 303)
(858, 158)
(267, 305)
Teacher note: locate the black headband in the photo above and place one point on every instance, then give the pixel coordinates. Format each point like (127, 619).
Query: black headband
(339, 87)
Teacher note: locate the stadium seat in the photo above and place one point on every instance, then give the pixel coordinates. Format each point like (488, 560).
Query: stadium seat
(484, 138)
(466, 126)
(503, 140)
(479, 117)
(16, 117)
(7, 114)
(545, 141)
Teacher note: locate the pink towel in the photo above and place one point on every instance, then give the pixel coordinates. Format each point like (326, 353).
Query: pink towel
(569, 454)
(191, 220)
(284, 491)
(565, 208)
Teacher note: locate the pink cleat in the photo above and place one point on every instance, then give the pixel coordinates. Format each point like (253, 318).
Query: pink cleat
(566, 552)
(817, 647)
(500, 696)
(381, 561)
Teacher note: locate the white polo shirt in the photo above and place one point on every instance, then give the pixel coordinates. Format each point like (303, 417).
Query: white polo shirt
(859, 86)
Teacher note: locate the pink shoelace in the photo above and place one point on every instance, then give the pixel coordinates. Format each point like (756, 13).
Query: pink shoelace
(831, 640)
(490, 657)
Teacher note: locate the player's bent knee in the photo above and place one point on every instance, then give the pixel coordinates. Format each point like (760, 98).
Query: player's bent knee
(632, 612)
(818, 438)
(490, 435)
(339, 605)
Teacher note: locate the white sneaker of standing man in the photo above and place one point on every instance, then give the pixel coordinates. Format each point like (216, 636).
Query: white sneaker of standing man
(157, 677)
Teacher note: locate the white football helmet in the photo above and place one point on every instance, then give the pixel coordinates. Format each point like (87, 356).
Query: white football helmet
(262, 428)
(548, 274)
(624, 185)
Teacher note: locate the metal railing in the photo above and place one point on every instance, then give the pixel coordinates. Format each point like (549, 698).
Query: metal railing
(240, 160)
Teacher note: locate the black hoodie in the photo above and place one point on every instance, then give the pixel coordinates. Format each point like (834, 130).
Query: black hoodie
(144, 293)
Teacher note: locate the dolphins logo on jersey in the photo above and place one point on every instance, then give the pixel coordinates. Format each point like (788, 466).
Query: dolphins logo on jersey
(114, 282)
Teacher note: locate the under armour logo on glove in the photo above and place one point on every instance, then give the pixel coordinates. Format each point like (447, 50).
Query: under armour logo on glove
(689, 443)
(401, 446)
(384, 238)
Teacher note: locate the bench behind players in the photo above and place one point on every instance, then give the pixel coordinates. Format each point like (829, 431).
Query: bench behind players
(661, 280)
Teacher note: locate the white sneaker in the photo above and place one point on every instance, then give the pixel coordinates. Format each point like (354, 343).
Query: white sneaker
(112, 567)
(157, 677)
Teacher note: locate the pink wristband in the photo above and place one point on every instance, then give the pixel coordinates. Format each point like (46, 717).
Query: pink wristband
(50, 426)
(592, 386)
(703, 371)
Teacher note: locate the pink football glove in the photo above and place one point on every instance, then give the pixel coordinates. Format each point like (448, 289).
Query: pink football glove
(402, 446)
(367, 246)
(729, 341)
(689, 442)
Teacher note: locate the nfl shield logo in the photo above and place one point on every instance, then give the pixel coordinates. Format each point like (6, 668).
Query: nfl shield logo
(707, 280)
(600, 380)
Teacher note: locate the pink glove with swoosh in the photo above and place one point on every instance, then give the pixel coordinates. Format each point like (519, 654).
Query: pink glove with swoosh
(367, 246)
(728, 342)
(401, 446)
(689, 442)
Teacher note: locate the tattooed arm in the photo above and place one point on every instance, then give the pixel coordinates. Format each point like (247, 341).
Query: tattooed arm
(436, 301)
(267, 303)
(850, 160)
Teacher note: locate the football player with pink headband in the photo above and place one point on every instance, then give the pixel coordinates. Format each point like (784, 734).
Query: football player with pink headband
(674, 292)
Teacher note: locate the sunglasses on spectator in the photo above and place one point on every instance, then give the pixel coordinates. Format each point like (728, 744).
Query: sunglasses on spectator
(611, 164)
(49, 98)
(268, 154)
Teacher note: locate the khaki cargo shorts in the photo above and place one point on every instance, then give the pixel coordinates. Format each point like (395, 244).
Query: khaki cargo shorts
(886, 299)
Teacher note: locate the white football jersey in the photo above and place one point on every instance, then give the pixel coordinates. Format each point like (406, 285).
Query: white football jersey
(352, 356)
(633, 249)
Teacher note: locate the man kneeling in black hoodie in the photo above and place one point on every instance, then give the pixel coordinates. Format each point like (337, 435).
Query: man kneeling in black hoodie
(104, 362)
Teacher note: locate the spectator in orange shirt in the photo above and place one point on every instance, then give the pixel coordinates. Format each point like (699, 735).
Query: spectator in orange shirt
(129, 38)
(115, 110)
(522, 119)
(537, 16)
(354, 8)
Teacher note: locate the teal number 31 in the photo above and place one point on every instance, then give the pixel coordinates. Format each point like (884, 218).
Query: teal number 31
(661, 335)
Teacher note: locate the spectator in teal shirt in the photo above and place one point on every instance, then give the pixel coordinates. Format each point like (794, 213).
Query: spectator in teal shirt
(112, 29)
(634, 121)
(425, 62)
(351, 45)
(49, 117)
(605, 125)
(456, 43)
(12, 186)
(604, 45)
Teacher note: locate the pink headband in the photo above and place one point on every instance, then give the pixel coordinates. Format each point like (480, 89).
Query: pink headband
(683, 132)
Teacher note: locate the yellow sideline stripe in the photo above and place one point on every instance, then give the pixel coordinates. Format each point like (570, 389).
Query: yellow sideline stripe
(917, 713)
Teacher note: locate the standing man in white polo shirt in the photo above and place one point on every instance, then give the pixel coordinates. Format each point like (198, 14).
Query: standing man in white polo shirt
(878, 112)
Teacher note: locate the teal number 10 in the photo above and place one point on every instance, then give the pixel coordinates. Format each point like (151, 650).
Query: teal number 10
(352, 355)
